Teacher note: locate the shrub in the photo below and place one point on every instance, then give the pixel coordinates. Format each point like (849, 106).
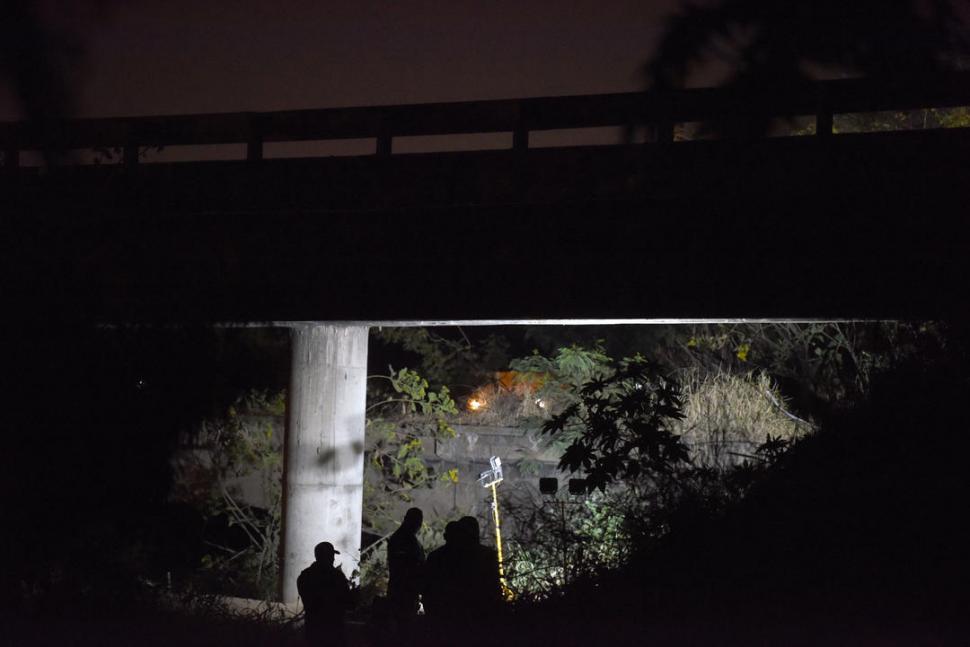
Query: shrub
(728, 416)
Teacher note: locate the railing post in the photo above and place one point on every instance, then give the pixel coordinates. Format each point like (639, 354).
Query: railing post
(254, 144)
(520, 134)
(384, 145)
(665, 131)
(385, 137)
(254, 149)
(129, 154)
(823, 112)
(665, 122)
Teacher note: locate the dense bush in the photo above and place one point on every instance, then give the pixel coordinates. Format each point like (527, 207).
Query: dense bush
(855, 533)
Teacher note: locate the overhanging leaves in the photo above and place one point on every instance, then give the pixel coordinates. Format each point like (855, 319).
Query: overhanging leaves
(624, 415)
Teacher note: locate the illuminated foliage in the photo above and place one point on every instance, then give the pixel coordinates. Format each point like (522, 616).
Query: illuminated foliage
(238, 445)
(244, 444)
(820, 366)
(624, 418)
(396, 424)
(564, 538)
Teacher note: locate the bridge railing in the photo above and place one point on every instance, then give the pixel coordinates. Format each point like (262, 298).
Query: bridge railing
(660, 111)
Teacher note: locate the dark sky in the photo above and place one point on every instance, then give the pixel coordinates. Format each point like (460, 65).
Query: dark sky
(177, 56)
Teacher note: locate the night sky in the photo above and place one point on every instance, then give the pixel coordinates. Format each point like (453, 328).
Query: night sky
(169, 57)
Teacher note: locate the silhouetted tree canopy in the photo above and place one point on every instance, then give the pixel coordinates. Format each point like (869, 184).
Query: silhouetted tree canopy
(767, 43)
(33, 60)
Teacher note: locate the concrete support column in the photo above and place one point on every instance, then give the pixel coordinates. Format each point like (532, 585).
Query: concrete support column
(323, 474)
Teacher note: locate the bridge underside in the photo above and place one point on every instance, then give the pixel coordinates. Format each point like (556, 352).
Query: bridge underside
(867, 226)
(851, 226)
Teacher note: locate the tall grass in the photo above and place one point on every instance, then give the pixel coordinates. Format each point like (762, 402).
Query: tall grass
(728, 415)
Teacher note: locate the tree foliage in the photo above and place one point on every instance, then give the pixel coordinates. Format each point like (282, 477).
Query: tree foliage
(447, 358)
(770, 46)
(564, 538)
(240, 444)
(396, 424)
(773, 44)
(571, 366)
(242, 541)
(624, 417)
(562, 376)
(820, 366)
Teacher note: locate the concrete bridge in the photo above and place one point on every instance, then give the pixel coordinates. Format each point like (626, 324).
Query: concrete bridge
(819, 226)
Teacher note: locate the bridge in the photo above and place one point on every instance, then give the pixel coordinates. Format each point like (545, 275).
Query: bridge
(824, 225)
(849, 225)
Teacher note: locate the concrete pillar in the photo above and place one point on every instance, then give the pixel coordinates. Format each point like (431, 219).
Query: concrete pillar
(323, 472)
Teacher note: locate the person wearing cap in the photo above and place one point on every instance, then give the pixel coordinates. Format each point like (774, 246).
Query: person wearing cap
(325, 593)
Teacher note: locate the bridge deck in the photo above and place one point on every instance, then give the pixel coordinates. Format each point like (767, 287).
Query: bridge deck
(829, 226)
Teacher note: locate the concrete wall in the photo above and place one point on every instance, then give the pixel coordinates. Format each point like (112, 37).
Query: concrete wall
(524, 461)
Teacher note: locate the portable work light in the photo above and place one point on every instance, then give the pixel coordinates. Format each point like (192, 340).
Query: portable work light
(490, 478)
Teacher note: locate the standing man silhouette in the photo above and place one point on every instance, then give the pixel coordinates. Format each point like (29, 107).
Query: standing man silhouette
(461, 587)
(405, 565)
(484, 585)
(444, 582)
(325, 593)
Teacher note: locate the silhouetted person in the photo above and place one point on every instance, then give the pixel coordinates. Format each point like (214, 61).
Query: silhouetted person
(325, 593)
(485, 588)
(405, 565)
(445, 575)
(462, 587)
